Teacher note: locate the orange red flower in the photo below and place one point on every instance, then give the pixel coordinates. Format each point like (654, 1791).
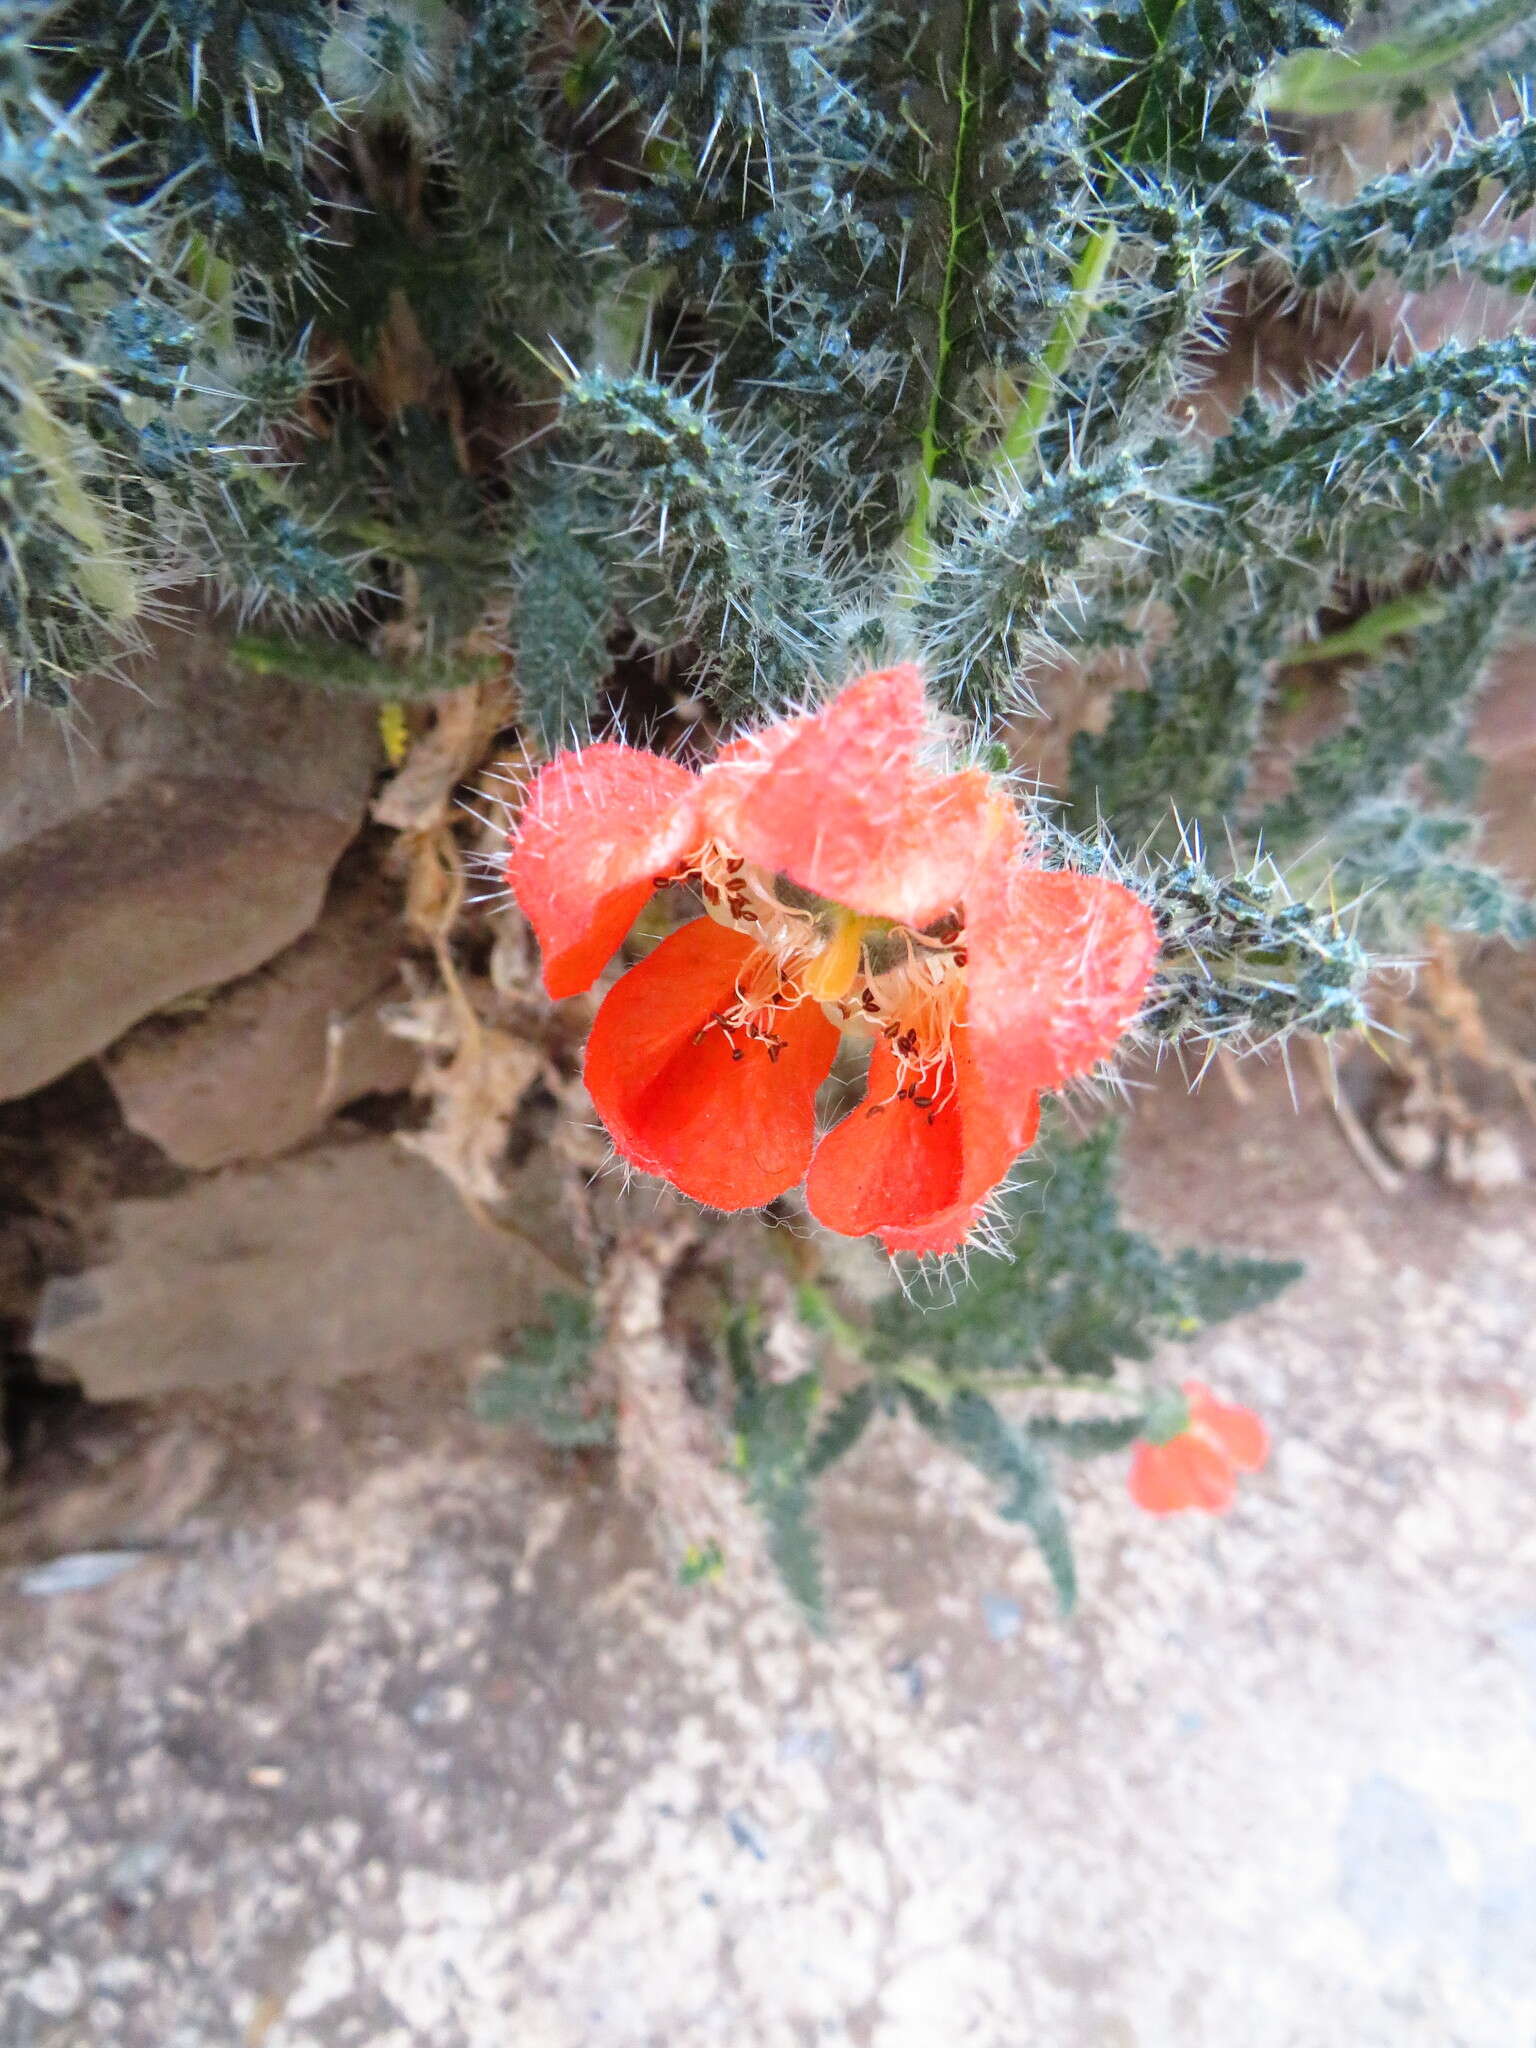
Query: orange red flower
(1195, 1465)
(850, 887)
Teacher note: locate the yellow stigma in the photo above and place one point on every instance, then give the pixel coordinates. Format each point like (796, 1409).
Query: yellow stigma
(829, 976)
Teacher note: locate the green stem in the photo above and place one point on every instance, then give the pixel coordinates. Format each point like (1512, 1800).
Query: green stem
(1017, 448)
(1370, 633)
(942, 1386)
(917, 541)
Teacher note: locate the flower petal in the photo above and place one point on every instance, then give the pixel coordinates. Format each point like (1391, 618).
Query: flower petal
(838, 802)
(1156, 1481)
(894, 1166)
(596, 828)
(1185, 1472)
(1058, 966)
(1237, 1431)
(948, 1231)
(710, 1112)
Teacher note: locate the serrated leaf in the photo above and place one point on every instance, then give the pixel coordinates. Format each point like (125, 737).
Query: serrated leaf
(843, 1427)
(773, 1420)
(1087, 1436)
(1215, 1287)
(542, 1380)
(973, 1427)
(1079, 1290)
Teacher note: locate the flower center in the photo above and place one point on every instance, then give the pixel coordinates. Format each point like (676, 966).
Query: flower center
(832, 973)
(870, 975)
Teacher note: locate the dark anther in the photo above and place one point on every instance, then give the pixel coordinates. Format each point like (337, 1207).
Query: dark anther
(737, 1053)
(961, 956)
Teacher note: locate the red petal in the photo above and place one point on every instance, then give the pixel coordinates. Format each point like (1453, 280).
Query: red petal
(1058, 965)
(596, 828)
(1185, 1472)
(1236, 1431)
(730, 1132)
(947, 1231)
(893, 1167)
(1156, 1481)
(838, 803)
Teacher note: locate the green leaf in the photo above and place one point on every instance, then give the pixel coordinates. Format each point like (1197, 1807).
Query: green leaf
(542, 1382)
(1337, 81)
(1404, 710)
(1408, 221)
(971, 1425)
(1085, 1437)
(1175, 86)
(1215, 1287)
(1078, 1290)
(773, 1420)
(333, 665)
(704, 536)
(562, 579)
(843, 1427)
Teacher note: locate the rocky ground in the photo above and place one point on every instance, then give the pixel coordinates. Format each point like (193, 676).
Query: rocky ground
(392, 1733)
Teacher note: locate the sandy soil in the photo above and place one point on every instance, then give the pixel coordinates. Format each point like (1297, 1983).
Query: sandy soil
(405, 1739)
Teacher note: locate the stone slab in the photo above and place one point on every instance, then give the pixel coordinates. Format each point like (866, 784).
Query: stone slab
(176, 832)
(270, 1058)
(351, 1257)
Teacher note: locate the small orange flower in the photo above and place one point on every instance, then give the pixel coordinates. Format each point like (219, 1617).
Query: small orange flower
(1196, 1463)
(849, 887)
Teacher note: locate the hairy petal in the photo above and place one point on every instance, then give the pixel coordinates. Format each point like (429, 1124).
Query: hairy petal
(838, 802)
(596, 828)
(1058, 966)
(894, 1166)
(948, 1230)
(1237, 1431)
(1185, 1472)
(730, 1131)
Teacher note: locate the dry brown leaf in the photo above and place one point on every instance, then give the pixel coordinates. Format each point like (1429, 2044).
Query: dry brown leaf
(419, 798)
(476, 1094)
(434, 884)
(1480, 1159)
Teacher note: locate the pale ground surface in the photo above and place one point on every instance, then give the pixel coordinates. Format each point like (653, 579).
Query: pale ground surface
(413, 1745)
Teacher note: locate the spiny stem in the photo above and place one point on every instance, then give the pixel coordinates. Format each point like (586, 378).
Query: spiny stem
(1016, 450)
(1017, 447)
(917, 541)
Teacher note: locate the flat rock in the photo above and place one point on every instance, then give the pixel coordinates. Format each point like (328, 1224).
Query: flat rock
(176, 832)
(349, 1257)
(265, 1061)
